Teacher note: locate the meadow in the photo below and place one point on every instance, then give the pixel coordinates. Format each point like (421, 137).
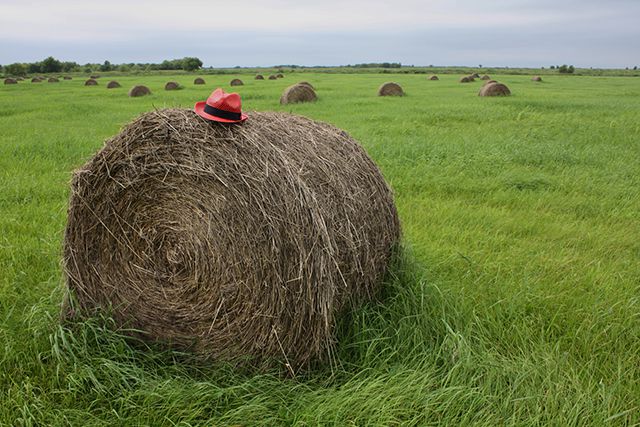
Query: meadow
(516, 300)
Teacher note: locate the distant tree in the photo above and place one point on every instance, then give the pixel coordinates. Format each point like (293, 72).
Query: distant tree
(34, 68)
(51, 65)
(68, 66)
(553, 67)
(87, 68)
(479, 65)
(191, 63)
(106, 66)
(124, 67)
(16, 69)
(571, 69)
(635, 68)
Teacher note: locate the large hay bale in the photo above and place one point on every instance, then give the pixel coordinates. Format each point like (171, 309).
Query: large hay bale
(91, 82)
(259, 77)
(242, 243)
(10, 81)
(236, 82)
(113, 84)
(466, 79)
(139, 90)
(434, 77)
(53, 80)
(36, 80)
(272, 77)
(536, 78)
(390, 89)
(172, 86)
(298, 93)
(485, 77)
(279, 76)
(494, 89)
(199, 81)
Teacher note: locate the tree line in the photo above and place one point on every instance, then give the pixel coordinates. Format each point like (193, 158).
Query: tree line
(53, 65)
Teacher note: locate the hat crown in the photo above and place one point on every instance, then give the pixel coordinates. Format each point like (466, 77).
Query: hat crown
(225, 101)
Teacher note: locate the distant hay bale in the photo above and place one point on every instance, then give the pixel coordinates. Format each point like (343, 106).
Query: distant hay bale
(236, 82)
(66, 78)
(494, 89)
(10, 81)
(433, 77)
(95, 76)
(390, 89)
(272, 77)
(279, 76)
(198, 81)
(298, 93)
(53, 80)
(91, 82)
(139, 90)
(466, 79)
(113, 84)
(259, 77)
(242, 243)
(305, 83)
(35, 80)
(485, 77)
(475, 76)
(536, 78)
(172, 86)
(20, 79)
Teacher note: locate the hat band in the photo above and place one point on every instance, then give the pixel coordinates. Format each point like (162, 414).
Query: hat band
(229, 115)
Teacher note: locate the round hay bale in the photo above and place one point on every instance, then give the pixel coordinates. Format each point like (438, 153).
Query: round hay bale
(536, 78)
(239, 243)
(10, 81)
(475, 76)
(113, 84)
(279, 76)
(489, 82)
(35, 80)
(305, 83)
(20, 79)
(259, 77)
(95, 76)
(53, 80)
(91, 82)
(298, 93)
(139, 90)
(198, 81)
(272, 77)
(434, 77)
(236, 82)
(66, 78)
(390, 89)
(485, 77)
(466, 79)
(172, 86)
(494, 89)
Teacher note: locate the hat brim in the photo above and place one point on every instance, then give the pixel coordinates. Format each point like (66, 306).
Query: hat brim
(199, 109)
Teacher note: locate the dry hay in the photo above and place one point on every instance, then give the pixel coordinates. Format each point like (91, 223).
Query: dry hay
(198, 81)
(172, 86)
(475, 76)
(53, 80)
(241, 243)
(236, 82)
(536, 78)
(485, 77)
(10, 81)
(305, 83)
(489, 82)
(298, 93)
(259, 77)
(20, 79)
(390, 89)
(36, 80)
(95, 76)
(272, 77)
(279, 76)
(113, 84)
(466, 79)
(434, 77)
(139, 90)
(66, 78)
(494, 89)
(91, 82)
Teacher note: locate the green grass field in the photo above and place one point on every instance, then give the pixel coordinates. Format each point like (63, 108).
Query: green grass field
(517, 301)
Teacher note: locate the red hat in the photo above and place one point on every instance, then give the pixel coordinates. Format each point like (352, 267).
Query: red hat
(221, 107)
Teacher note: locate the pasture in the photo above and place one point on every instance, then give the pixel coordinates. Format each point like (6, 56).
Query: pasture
(516, 301)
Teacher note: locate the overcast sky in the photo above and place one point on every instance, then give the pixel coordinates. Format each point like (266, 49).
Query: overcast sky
(586, 33)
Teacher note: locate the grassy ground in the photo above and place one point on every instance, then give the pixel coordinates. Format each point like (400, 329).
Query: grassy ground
(517, 302)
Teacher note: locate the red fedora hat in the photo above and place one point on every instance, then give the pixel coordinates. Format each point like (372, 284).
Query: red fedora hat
(221, 107)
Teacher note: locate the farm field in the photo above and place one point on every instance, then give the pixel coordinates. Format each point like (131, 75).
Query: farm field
(516, 302)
